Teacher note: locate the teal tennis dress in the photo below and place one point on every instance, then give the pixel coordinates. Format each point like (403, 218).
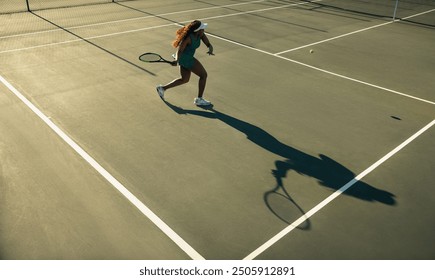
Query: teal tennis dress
(186, 59)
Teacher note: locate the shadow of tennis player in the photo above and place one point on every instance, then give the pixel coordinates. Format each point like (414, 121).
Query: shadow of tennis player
(327, 171)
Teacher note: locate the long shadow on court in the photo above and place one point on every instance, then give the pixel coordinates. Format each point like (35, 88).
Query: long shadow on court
(327, 171)
(92, 43)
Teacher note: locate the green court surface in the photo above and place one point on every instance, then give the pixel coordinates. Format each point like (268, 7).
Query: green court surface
(319, 143)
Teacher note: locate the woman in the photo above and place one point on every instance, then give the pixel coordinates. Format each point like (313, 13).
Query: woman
(187, 41)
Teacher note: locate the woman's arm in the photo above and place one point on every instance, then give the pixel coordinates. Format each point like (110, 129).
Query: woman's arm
(204, 38)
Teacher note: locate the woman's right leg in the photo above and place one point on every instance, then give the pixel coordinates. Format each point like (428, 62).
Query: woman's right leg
(185, 77)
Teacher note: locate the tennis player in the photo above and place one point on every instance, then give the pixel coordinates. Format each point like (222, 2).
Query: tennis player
(187, 41)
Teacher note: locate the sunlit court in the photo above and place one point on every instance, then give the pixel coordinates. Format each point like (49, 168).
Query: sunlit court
(318, 143)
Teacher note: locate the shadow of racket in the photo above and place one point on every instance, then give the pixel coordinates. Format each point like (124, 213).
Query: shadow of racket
(282, 205)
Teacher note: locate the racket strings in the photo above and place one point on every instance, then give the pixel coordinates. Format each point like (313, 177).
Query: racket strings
(150, 57)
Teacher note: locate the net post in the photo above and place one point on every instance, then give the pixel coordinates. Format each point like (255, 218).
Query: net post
(395, 9)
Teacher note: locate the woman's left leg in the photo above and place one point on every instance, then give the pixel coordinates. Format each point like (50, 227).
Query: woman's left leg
(199, 70)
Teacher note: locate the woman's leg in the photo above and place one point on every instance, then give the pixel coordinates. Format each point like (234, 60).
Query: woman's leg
(185, 76)
(199, 70)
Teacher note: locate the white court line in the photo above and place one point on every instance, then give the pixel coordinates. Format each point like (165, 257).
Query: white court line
(130, 19)
(112, 180)
(258, 11)
(145, 210)
(246, 46)
(323, 70)
(87, 38)
(337, 193)
(334, 38)
(357, 81)
(143, 29)
(351, 33)
(166, 14)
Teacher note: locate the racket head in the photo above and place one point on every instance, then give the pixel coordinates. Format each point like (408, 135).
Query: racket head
(151, 57)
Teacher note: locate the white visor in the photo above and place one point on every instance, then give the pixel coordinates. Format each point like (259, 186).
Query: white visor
(202, 26)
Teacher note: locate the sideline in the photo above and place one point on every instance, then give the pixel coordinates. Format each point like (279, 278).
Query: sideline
(322, 70)
(337, 193)
(103, 172)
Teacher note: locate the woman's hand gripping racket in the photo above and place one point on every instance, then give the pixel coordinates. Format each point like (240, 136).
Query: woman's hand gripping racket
(153, 57)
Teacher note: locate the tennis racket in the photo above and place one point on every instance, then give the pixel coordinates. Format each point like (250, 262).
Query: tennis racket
(152, 58)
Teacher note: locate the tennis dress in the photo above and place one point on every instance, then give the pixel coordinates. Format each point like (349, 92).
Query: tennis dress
(186, 59)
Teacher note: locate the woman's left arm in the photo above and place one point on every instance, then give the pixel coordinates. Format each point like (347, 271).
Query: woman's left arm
(207, 43)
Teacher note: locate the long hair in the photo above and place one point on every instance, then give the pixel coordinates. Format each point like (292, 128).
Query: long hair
(184, 31)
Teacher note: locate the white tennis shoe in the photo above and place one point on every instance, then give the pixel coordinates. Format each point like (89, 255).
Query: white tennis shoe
(199, 101)
(161, 91)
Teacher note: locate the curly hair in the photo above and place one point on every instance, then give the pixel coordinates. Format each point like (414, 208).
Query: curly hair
(184, 31)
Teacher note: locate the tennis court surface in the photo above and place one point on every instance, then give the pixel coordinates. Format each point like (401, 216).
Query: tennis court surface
(319, 144)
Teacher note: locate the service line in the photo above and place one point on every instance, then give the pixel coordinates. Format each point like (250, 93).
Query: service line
(351, 33)
(139, 29)
(129, 19)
